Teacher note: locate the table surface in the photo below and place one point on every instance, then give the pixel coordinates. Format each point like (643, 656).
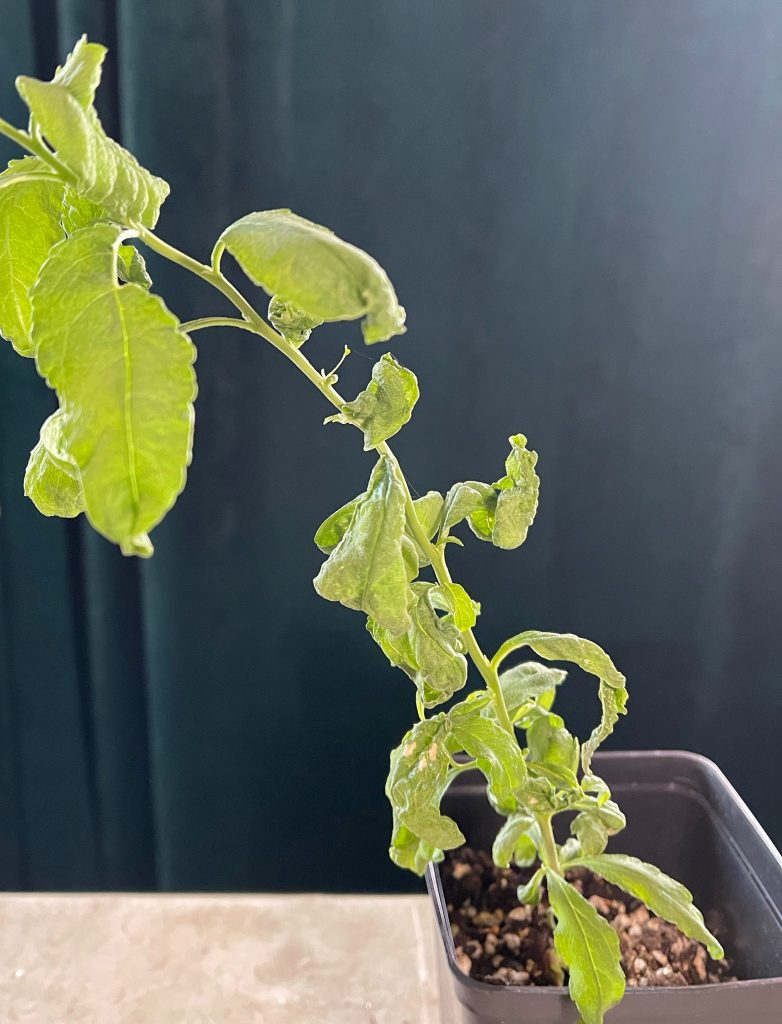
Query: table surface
(266, 959)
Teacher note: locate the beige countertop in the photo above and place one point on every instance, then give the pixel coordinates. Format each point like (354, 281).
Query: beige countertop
(181, 959)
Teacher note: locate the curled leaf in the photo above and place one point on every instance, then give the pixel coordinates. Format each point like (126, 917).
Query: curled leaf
(517, 500)
(309, 267)
(366, 570)
(588, 656)
(51, 480)
(417, 779)
(513, 837)
(385, 405)
(101, 170)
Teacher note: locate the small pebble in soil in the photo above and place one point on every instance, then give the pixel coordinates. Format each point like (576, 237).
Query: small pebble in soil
(502, 943)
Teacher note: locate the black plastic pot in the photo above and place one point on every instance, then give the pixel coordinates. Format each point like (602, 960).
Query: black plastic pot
(684, 816)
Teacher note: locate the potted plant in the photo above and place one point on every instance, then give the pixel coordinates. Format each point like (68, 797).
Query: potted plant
(76, 297)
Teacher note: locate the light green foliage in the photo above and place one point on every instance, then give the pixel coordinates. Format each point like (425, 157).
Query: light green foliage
(429, 651)
(307, 265)
(588, 656)
(550, 743)
(513, 839)
(385, 405)
(527, 684)
(428, 512)
(51, 480)
(503, 512)
(74, 294)
(589, 947)
(454, 599)
(366, 569)
(663, 895)
(292, 323)
(123, 373)
(466, 501)
(332, 530)
(98, 167)
(530, 893)
(517, 500)
(417, 778)
(30, 225)
(496, 753)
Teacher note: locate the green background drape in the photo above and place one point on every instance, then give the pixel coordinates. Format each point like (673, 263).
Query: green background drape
(580, 203)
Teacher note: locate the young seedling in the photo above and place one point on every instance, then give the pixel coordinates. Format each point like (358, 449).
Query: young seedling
(75, 297)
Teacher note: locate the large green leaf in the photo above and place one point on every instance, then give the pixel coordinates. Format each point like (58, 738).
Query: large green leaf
(51, 480)
(366, 570)
(589, 946)
(99, 168)
(30, 225)
(123, 372)
(588, 656)
(385, 405)
(663, 895)
(308, 266)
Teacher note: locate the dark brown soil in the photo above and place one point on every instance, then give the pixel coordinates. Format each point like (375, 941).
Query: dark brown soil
(503, 943)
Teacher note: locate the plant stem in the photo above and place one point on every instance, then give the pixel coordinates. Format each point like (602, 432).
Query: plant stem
(36, 147)
(216, 321)
(550, 856)
(254, 322)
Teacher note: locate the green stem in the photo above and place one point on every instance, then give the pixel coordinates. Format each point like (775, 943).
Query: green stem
(36, 147)
(549, 853)
(258, 325)
(17, 135)
(216, 321)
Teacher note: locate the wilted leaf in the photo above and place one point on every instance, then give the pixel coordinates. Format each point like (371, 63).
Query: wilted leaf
(385, 405)
(307, 265)
(366, 570)
(102, 170)
(51, 480)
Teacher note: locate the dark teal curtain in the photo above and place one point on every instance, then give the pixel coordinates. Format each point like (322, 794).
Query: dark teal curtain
(579, 203)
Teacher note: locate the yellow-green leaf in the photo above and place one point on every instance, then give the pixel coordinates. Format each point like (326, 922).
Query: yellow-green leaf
(366, 570)
(30, 225)
(101, 170)
(123, 372)
(51, 480)
(662, 894)
(385, 405)
(589, 947)
(308, 266)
